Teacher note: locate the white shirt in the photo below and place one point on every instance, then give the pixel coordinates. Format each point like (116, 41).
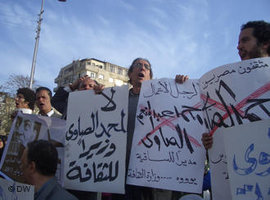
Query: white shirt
(25, 110)
(49, 114)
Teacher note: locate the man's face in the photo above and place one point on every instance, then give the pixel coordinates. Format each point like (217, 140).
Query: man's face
(27, 125)
(43, 101)
(87, 84)
(248, 47)
(20, 101)
(140, 73)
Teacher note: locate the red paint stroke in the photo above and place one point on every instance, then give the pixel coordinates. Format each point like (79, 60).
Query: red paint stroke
(219, 105)
(168, 122)
(241, 104)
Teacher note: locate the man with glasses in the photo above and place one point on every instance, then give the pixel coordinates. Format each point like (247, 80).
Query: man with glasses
(139, 71)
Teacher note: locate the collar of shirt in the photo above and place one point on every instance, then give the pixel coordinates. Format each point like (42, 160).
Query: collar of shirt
(25, 110)
(132, 94)
(67, 89)
(49, 114)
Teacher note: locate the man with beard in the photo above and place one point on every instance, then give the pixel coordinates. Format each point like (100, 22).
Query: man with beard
(253, 42)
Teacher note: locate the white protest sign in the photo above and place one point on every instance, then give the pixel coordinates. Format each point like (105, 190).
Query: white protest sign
(95, 146)
(234, 94)
(26, 128)
(218, 167)
(166, 150)
(248, 156)
(14, 190)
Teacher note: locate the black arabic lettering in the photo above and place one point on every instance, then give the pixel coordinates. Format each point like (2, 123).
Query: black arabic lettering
(171, 141)
(217, 120)
(75, 172)
(75, 131)
(107, 108)
(254, 65)
(164, 87)
(220, 158)
(112, 126)
(183, 180)
(225, 73)
(72, 134)
(108, 168)
(89, 154)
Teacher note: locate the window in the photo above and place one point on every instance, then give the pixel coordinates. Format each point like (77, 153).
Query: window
(111, 68)
(68, 70)
(91, 74)
(101, 76)
(66, 80)
(120, 71)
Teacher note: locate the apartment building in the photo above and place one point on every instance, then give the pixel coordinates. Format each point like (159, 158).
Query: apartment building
(105, 73)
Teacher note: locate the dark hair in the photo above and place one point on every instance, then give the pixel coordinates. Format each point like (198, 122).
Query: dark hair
(261, 31)
(130, 69)
(29, 96)
(44, 88)
(45, 156)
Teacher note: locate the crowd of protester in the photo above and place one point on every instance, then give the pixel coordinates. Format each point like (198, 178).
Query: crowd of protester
(39, 158)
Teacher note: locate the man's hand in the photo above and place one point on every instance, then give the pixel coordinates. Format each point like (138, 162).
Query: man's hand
(181, 78)
(75, 85)
(98, 88)
(207, 140)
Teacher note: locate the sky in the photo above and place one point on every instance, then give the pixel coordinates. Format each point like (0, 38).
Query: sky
(188, 37)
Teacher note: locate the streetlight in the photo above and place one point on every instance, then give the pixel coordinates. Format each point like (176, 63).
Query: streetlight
(36, 44)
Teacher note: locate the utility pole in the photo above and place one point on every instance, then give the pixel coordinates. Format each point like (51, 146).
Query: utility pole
(36, 46)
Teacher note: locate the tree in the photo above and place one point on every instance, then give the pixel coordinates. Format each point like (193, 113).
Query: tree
(7, 106)
(7, 102)
(15, 82)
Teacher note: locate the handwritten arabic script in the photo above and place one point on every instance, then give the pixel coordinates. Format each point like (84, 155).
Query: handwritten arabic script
(169, 124)
(95, 139)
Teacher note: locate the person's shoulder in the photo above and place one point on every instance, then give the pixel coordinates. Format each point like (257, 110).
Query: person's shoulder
(63, 194)
(59, 192)
(56, 113)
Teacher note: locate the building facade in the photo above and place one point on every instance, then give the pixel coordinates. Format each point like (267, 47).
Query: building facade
(105, 73)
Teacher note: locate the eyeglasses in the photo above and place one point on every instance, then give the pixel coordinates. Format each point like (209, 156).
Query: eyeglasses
(140, 65)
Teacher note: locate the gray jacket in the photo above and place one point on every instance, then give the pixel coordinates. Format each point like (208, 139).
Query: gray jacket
(51, 190)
